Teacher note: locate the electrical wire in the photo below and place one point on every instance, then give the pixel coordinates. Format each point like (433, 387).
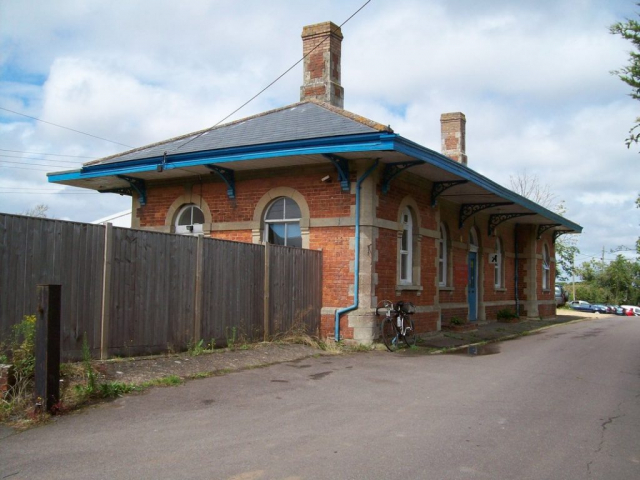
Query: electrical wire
(41, 153)
(273, 82)
(66, 128)
(76, 162)
(36, 164)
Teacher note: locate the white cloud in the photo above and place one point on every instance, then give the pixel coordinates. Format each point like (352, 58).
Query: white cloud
(532, 78)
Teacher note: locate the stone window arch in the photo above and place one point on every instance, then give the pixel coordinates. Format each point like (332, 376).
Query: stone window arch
(546, 267)
(409, 244)
(269, 206)
(282, 223)
(181, 210)
(498, 272)
(189, 220)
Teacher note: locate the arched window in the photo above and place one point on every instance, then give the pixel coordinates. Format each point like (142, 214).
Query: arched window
(442, 257)
(282, 223)
(497, 264)
(406, 248)
(189, 220)
(546, 268)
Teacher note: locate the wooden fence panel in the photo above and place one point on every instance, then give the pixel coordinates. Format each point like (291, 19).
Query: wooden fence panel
(233, 289)
(42, 251)
(153, 287)
(295, 295)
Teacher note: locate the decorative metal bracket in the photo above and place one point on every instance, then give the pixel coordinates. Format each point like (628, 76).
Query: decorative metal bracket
(557, 233)
(468, 210)
(497, 219)
(228, 176)
(392, 170)
(134, 184)
(439, 187)
(342, 166)
(544, 228)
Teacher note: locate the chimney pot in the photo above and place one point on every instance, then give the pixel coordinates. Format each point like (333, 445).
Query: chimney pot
(321, 65)
(452, 128)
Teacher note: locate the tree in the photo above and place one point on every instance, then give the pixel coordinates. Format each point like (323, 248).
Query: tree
(616, 283)
(39, 211)
(630, 30)
(529, 186)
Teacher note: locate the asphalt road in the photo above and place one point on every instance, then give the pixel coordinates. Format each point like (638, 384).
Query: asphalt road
(561, 404)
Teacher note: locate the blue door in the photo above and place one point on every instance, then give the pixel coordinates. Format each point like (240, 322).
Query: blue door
(472, 287)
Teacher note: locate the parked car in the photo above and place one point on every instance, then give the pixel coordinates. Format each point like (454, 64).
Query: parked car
(561, 296)
(581, 305)
(600, 308)
(631, 310)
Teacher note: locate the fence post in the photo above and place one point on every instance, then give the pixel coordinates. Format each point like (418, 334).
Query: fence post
(106, 291)
(47, 371)
(197, 323)
(267, 288)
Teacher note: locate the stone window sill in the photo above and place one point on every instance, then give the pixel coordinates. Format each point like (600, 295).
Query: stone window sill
(546, 290)
(501, 289)
(444, 288)
(415, 288)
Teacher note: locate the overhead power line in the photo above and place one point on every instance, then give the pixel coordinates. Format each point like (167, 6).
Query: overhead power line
(273, 82)
(42, 153)
(55, 160)
(66, 128)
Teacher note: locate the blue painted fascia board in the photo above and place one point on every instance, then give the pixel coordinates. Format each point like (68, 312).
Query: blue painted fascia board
(343, 144)
(419, 152)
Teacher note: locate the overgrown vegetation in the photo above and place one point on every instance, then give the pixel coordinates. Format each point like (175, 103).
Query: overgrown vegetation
(457, 321)
(20, 352)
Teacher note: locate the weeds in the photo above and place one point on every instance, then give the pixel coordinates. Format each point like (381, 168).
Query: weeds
(20, 352)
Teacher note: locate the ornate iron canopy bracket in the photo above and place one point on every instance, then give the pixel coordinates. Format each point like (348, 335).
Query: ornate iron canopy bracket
(468, 210)
(544, 228)
(228, 176)
(557, 233)
(497, 219)
(134, 184)
(439, 187)
(392, 170)
(342, 166)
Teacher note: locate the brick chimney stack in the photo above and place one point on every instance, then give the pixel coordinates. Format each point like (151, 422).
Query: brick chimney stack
(452, 127)
(321, 69)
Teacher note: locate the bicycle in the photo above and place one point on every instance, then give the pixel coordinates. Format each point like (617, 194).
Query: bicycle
(397, 325)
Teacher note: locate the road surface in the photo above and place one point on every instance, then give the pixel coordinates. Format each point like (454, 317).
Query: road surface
(560, 404)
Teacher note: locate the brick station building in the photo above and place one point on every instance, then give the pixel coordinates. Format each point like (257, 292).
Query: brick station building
(394, 220)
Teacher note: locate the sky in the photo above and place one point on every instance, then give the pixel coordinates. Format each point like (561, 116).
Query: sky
(532, 77)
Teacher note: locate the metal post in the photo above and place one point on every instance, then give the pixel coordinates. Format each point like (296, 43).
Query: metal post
(47, 371)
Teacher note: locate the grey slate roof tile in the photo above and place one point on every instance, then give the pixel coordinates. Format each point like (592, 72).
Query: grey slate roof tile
(300, 121)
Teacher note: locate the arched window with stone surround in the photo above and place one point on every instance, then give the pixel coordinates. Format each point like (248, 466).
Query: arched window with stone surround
(406, 248)
(282, 223)
(497, 265)
(189, 220)
(443, 257)
(546, 268)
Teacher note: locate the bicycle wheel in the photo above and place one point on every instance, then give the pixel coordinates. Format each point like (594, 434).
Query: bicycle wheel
(389, 334)
(409, 336)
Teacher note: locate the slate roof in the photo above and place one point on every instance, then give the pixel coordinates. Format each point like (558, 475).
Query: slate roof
(300, 121)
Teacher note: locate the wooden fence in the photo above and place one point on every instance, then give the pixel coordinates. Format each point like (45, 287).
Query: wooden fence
(135, 292)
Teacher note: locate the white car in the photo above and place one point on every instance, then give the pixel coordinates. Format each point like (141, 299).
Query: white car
(633, 308)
